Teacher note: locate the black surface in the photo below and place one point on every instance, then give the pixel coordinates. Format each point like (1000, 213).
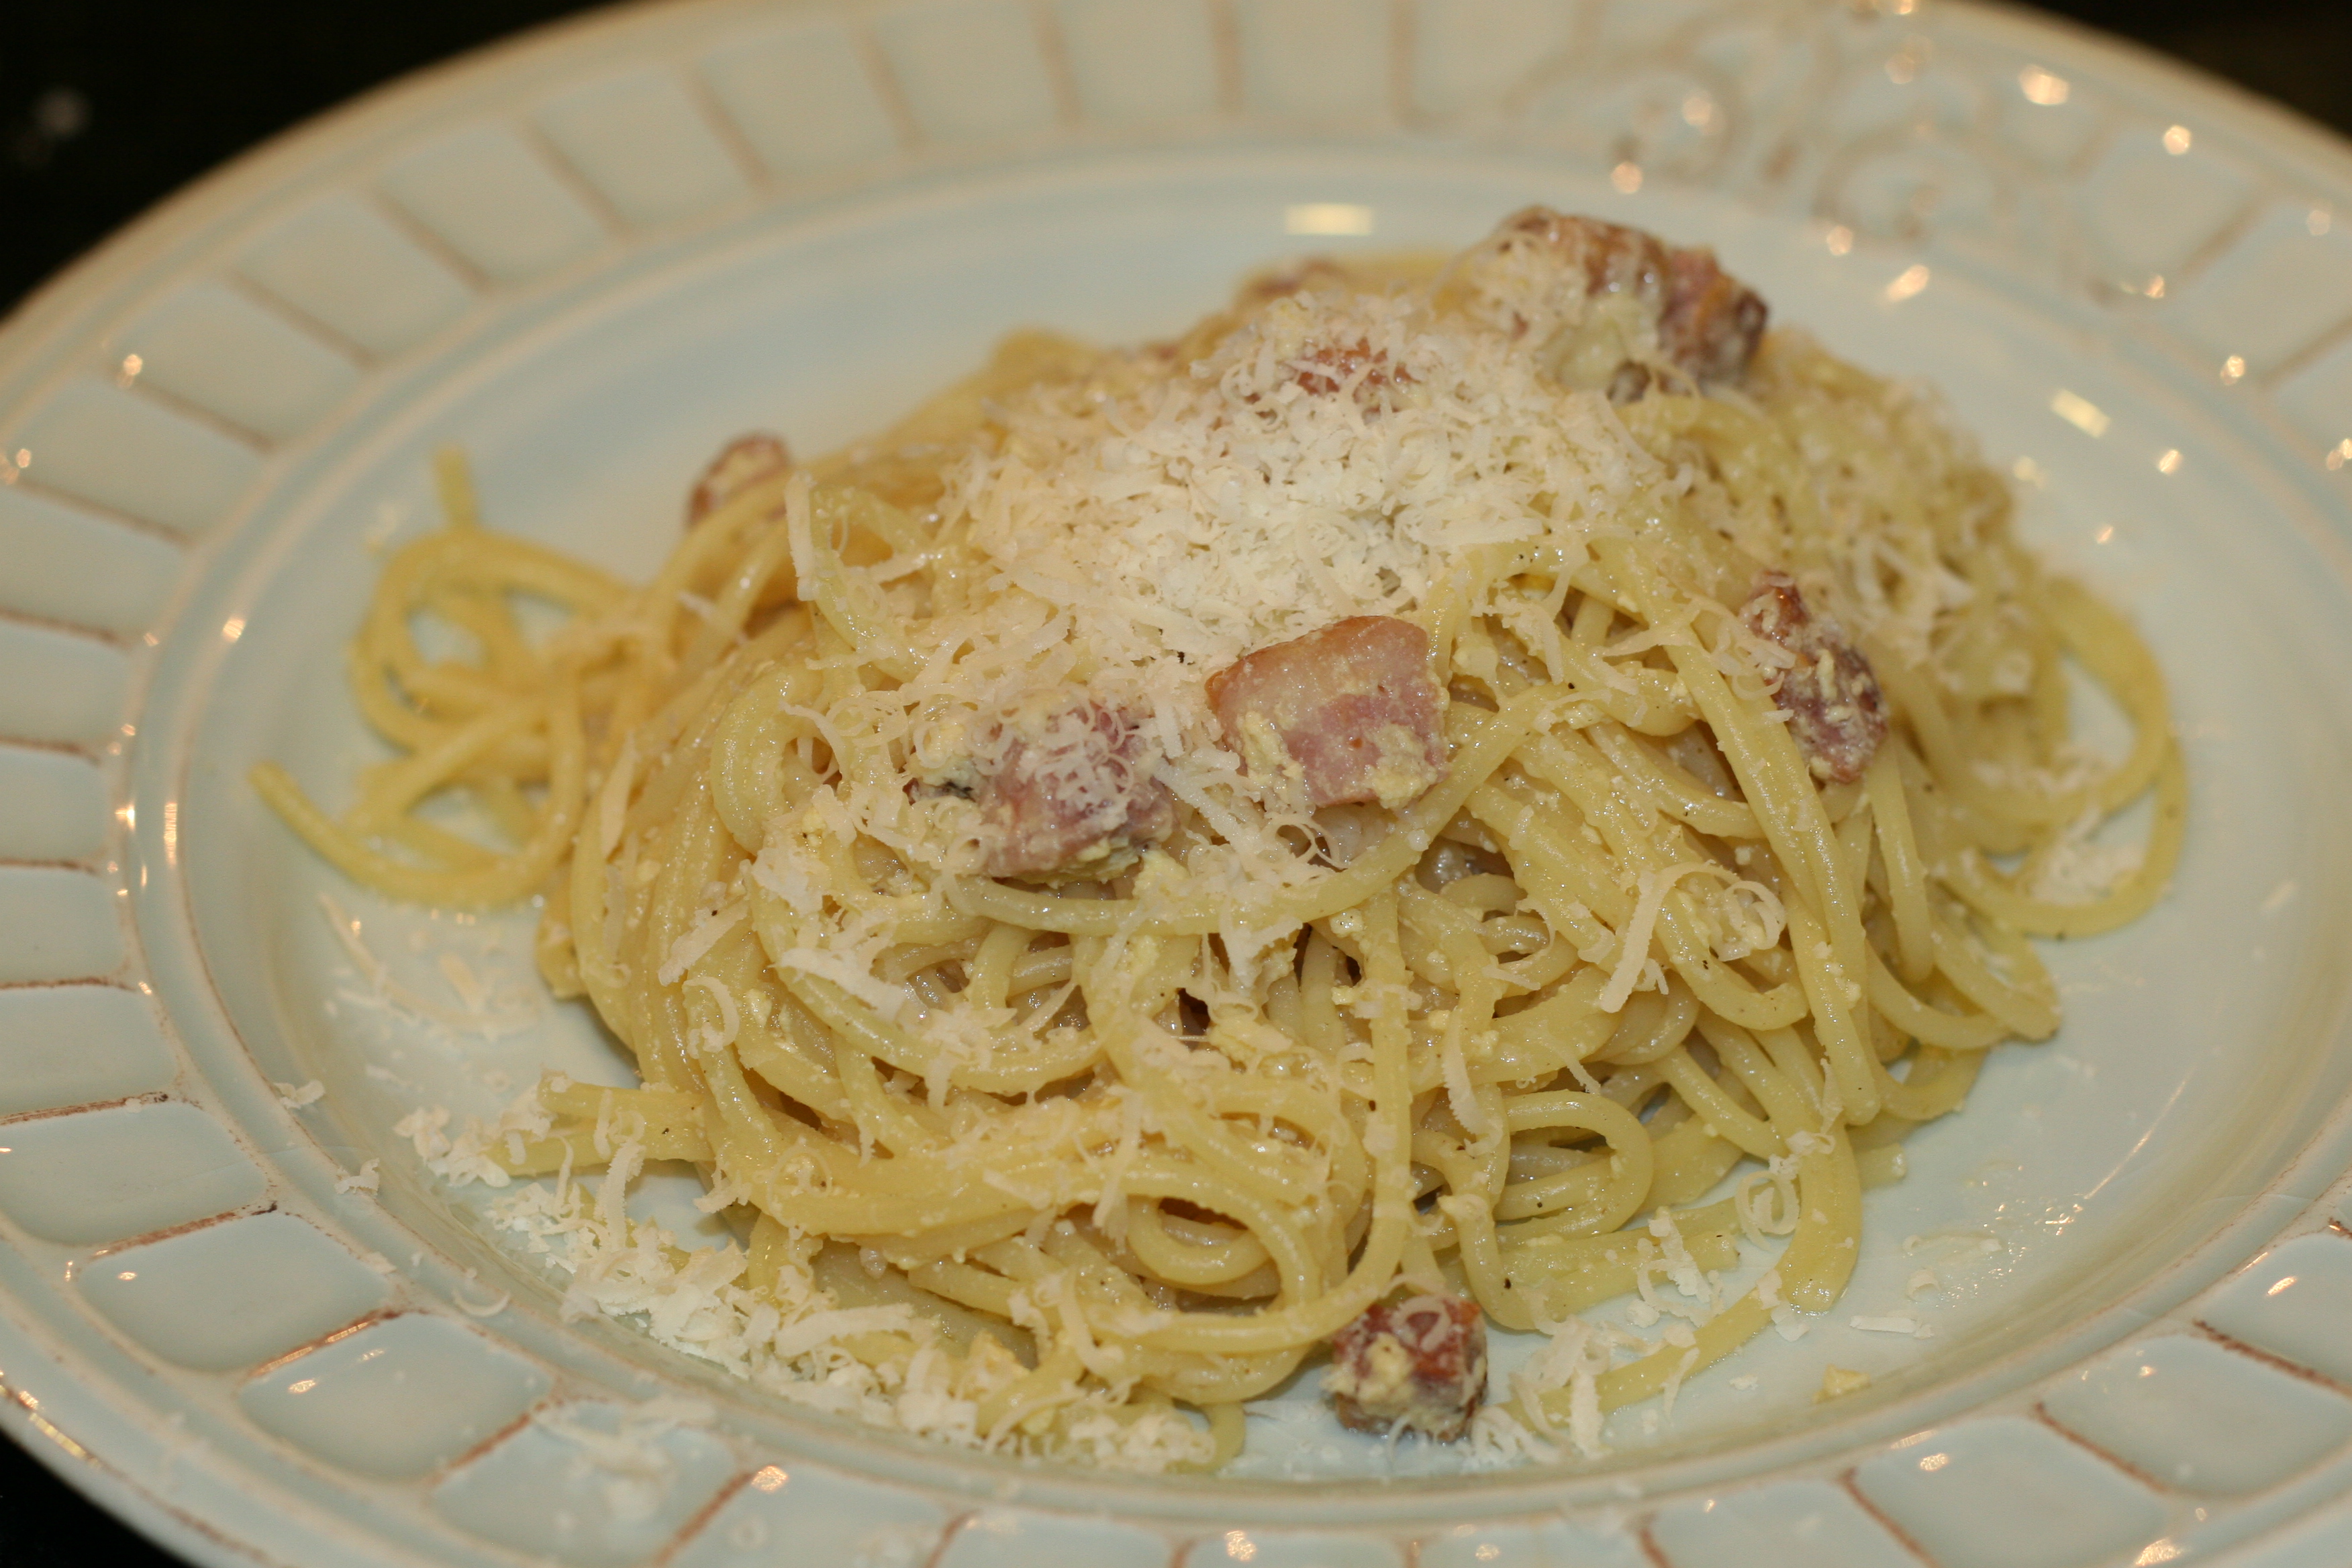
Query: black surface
(108, 106)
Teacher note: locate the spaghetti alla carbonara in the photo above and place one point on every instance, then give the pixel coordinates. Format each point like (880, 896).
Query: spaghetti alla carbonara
(1451, 794)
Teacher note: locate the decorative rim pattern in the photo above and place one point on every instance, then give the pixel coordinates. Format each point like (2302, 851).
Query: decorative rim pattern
(151, 398)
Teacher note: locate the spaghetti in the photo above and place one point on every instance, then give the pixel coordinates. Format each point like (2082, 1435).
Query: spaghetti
(960, 832)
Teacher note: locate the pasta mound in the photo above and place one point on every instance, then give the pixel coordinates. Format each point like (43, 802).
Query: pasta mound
(1075, 1066)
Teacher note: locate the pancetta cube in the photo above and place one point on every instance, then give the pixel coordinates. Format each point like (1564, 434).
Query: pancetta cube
(1356, 367)
(1712, 322)
(1637, 302)
(1072, 792)
(742, 463)
(1415, 1365)
(1836, 713)
(1349, 714)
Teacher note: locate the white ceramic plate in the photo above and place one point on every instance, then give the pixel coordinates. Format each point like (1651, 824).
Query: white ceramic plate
(589, 256)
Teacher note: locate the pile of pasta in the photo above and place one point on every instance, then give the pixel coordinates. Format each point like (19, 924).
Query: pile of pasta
(1076, 1165)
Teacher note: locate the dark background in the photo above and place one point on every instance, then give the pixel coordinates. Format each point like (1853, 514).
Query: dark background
(105, 106)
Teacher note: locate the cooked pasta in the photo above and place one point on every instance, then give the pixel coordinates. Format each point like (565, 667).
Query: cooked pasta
(1490, 780)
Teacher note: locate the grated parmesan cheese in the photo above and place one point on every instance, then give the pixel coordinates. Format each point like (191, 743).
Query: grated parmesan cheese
(1633, 944)
(784, 1339)
(2077, 870)
(700, 939)
(1838, 1381)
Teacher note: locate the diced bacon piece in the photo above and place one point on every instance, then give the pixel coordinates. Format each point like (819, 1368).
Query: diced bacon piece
(1074, 793)
(1327, 367)
(1311, 272)
(1836, 712)
(1351, 713)
(742, 463)
(1712, 322)
(1417, 1365)
(1706, 323)
(1615, 259)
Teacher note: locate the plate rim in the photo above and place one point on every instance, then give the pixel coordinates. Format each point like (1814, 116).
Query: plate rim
(50, 324)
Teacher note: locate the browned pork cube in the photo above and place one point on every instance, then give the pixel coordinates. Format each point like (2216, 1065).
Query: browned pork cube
(741, 464)
(1327, 367)
(1076, 793)
(1416, 1365)
(1712, 322)
(1708, 324)
(1351, 713)
(1309, 272)
(1836, 713)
